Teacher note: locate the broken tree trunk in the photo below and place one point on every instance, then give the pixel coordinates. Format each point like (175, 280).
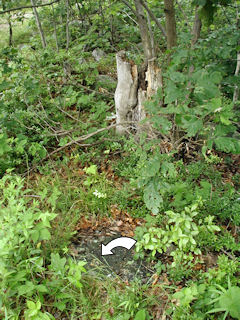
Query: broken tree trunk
(133, 89)
(126, 91)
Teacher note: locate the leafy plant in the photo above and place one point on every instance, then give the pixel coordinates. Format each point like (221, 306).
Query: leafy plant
(34, 312)
(24, 233)
(227, 301)
(180, 231)
(201, 110)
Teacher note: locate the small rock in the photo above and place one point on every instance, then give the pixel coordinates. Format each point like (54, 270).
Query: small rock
(98, 54)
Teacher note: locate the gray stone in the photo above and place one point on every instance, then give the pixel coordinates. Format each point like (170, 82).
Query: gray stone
(98, 54)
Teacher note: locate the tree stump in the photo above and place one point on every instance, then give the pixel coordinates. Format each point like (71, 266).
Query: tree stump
(134, 87)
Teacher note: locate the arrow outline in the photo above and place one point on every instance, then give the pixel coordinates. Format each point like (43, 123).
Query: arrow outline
(107, 249)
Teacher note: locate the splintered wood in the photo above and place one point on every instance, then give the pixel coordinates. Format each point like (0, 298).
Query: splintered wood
(133, 89)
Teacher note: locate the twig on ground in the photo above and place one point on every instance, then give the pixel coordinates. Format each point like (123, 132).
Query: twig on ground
(78, 140)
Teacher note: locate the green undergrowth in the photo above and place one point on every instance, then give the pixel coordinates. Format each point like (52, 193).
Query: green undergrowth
(189, 200)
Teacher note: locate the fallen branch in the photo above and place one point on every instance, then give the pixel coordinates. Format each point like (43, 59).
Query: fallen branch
(29, 7)
(80, 139)
(94, 91)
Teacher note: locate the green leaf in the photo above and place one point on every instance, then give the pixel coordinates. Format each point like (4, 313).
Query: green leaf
(44, 234)
(31, 305)
(57, 263)
(152, 197)
(4, 146)
(168, 169)
(140, 315)
(35, 235)
(4, 85)
(27, 288)
(91, 170)
(230, 302)
(162, 124)
(192, 125)
(227, 144)
(42, 288)
(151, 169)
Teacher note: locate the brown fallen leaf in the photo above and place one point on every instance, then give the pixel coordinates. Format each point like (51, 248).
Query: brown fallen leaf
(111, 311)
(155, 277)
(119, 223)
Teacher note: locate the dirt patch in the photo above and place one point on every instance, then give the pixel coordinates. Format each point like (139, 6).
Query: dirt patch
(120, 264)
(91, 235)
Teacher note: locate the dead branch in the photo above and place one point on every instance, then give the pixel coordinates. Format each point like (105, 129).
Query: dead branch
(27, 7)
(78, 140)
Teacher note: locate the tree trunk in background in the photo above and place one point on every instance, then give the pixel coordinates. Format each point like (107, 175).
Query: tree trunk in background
(55, 29)
(67, 26)
(10, 31)
(195, 36)
(151, 35)
(236, 89)
(196, 28)
(170, 23)
(143, 27)
(39, 25)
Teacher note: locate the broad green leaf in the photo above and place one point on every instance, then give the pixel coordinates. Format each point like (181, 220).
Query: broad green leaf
(140, 315)
(152, 197)
(230, 302)
(91, 170)
(44, 234)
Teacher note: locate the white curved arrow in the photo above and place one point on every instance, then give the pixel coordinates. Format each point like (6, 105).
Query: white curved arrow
(124, 242)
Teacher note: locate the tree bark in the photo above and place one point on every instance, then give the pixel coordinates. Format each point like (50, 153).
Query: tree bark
(196, 28)
(133, 89)
(143, 27)
(170, 23)
(39, 25)
(67, 26)
(151, 35)
(55, 29)
(236, 89)
(154, 18)
(10, 31)
(126, 91)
